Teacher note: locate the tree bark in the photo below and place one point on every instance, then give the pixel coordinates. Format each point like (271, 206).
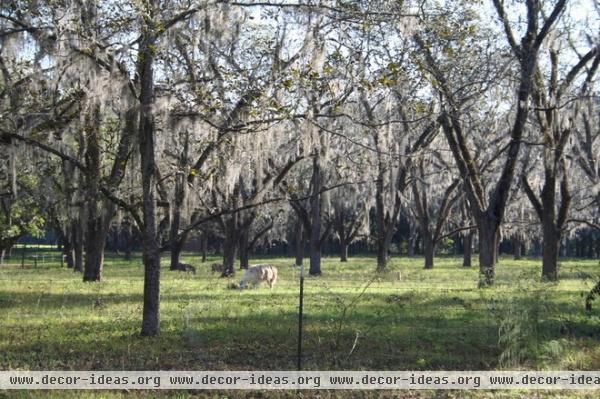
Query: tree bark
(550, 244)
(176, 249)
(488, 250)
(127, 237)
(429, 251)
(383, 249)
(77, 234)
(68, 253)
(551, 223)
(343, 251)
(316, 222)
(6, 247)
(546, 210)
(147, 137)
(244, 255)
(204, 246)
(299, 243)
(128, 247)
(410, 244)
(517, 248)
(94, 255)
(382, 233)
(230, 246)
(467, 249)
(11, 244)
(180, 195)
(346, 222)
(95, 237)
(384, 219)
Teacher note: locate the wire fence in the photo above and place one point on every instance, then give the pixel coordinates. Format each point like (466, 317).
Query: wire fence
(35, 259)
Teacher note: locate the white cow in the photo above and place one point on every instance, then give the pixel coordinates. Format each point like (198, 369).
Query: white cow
(257, 274)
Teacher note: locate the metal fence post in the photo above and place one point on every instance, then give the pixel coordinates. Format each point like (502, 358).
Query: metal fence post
(300, 316)
(23, 255)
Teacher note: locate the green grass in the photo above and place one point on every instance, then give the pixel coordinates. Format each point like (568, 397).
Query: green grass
(406, 319)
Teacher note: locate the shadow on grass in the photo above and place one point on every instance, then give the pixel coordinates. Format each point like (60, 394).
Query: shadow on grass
(256, 341)
(414, 337)
(61, 300)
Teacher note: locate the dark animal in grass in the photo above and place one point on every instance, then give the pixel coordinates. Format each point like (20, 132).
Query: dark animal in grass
(591, 296)
(185, 267)
(216, 267)
(583, 275)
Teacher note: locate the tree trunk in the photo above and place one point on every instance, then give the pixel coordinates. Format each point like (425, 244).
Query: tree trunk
(343, 250)
(457, 245)
(382, 242)
(384, 227)
(94, 245)
(151, 309)
(78, 254)
(94, 255)
(550, 229)
(590, 252)
(5, 250)
(176, 248)
(95, 235)
(77, 234)
(315, 258)
(467, 249)
(11, 245)
(383, 249)
(204, 244)
(429, 250)
(128, 250)
(68, 253)
(127, 239)
(180, 195)
(517, 248)
(230, 246)
(113, 240)
(244, 255)
(315, 212)
(244, 258)
(497, 253)
(488, 249)
(550, 244)
(147, 137)
(412, 239)
(299, 247)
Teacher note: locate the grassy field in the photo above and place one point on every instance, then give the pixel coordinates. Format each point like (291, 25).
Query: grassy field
(406, 319)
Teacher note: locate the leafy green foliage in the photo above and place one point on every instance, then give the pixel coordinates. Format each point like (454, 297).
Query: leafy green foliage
(24, 218)
(21, 215)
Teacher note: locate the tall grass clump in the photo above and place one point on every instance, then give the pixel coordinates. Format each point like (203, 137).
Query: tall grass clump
(525, 326)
